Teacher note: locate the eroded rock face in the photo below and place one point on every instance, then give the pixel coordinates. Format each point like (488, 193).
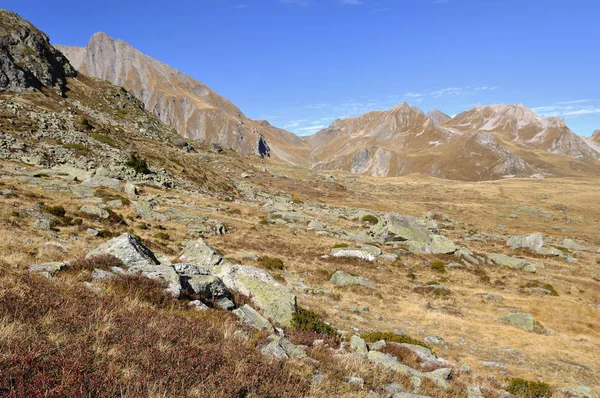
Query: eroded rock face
(27, 60)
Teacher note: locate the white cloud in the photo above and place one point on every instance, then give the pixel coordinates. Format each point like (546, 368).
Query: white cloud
(572, 109)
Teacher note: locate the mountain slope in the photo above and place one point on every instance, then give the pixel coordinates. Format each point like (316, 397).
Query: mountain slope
(191, 107)
(480, 144)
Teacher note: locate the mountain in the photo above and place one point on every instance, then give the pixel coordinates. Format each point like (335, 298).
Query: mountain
(483, 143)
(196, 111)
(438, 116)
(27, 60)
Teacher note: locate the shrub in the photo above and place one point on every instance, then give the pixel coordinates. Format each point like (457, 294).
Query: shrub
(105, 139)
(296, 200)
(339, 245)
(105, 233)
(307, 320)
(438, 266)
(139, 164)
(163, 236)
(528, 389)
(57, 211)
(270, 263)
(393, 338)
(78, 148)
(371, 219)
(85, 124)
(102, 261)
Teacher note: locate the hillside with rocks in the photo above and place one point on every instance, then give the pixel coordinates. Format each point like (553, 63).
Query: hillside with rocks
(137, 262)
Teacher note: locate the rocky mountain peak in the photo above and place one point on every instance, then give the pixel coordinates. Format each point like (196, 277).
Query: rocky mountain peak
(438, 116)
(27, 60)
(596, 135)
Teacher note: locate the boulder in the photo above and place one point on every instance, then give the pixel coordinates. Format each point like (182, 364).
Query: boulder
(358, 345)
(280, 348)
(138, 258)
(580, 391)
(47, 267)
(437, 244)
(439, 376)
(507, 261)
(101, 181)
(291, 216)
(250, 316)
(341, 278)
(208, 287)
(276, 301)
(519, 319)
(429, 360)
(145, 211)
(94, 211)
(131, 189)
(399, 228)
(534, 241)
(353, 253)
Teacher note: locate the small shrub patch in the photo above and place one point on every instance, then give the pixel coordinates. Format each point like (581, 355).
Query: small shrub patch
(308, 320)
(393, 338)
(270, 263)
(370, 219)
(528, 389)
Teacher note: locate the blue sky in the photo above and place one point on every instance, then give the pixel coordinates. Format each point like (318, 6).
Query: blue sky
(303, 63)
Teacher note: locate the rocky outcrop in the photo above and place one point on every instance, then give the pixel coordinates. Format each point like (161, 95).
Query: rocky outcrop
(27, 60)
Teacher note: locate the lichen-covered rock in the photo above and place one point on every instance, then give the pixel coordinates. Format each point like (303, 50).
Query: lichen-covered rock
(519, 319)
(341, 278)
(507, 261)
(276, 301)
(578, 391)
(534, 241)
(208, 287)
(145, 211)
(250, 316)
(358, 345)
(102, 181)
(437, 244)
(94, 211)
(47, 267)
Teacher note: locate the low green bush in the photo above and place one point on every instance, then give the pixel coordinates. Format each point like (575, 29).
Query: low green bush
(391, 337)
(370, 219)
(305, 319)
(528, 389)
(270, 263)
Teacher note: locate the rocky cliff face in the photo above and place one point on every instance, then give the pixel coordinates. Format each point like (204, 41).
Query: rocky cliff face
(27, 60)
(196, 111)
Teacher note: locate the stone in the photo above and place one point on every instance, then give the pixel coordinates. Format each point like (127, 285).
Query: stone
(393, 388)
(358, 345)
(353, 253)
(434, 340)
(199, 253)
(208, 287)
(250, 316)
(274, 350)
(378, 345)
(354, 381)
(436, 289)
(114, 203)
(429, 360)
(92, 231)
(572, 244)
(580, 391)
(437, 244)
(225, 303)
(507, 261)
(291, 216)
(519, 319)
(94, 211)
(101, 181)
(138, 258)
(399, 228)
(439, 376)
(145, 211)
(531, 268)
(534, 241)
(101, 274)
(131, 189)
(409, 395)
(474, 392)
(341, 278)
(48, 267)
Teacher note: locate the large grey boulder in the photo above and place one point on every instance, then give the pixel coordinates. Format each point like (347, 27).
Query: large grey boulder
(341, 278)
(437, 244)
(208, 287)
(137, 258)
(534, 241)
(145, 211)
(429, 360)
(358, 345)
(276, 301)
(47, 267)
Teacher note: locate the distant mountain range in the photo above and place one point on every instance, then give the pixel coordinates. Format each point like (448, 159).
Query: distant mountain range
(486, 142)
